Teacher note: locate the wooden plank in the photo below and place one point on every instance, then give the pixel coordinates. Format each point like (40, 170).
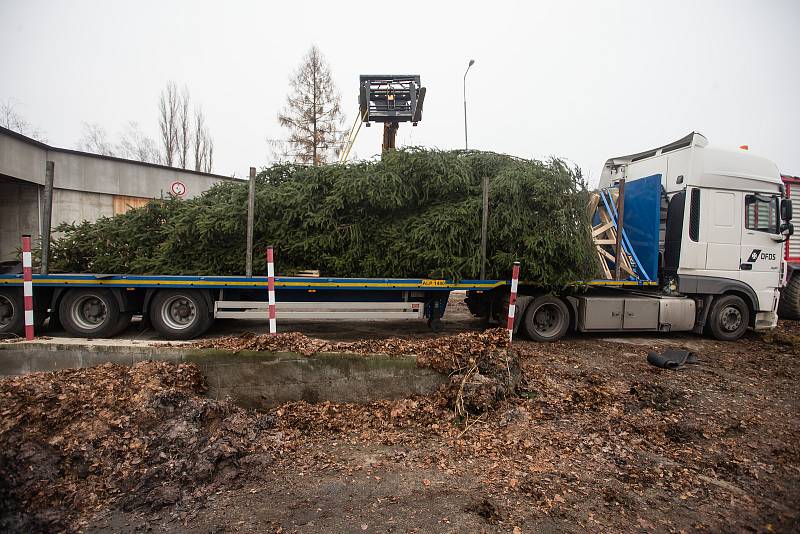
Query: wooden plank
(603, 264)
(591, 208)
(122, 203)
(602, 228)
(622, 263)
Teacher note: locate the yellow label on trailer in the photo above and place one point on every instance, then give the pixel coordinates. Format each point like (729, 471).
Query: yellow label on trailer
(436, 283)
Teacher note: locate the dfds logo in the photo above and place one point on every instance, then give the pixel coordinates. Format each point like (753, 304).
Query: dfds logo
(756, 254)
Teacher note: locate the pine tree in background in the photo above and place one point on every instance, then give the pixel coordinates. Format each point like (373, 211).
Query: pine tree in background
(312, 113)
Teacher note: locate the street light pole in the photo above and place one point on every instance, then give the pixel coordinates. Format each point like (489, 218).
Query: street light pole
(466, 143)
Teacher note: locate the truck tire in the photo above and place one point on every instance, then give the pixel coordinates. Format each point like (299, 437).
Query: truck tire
(789, 303)
(180, 313)
(90, 313)
(12, 317)
(123, 323)
(546, 319)
(729, 318)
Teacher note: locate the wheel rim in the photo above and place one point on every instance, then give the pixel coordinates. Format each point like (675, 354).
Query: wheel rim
(548, 320)
(89, 312)
(6, 311)
(730, 319)
(179, 312)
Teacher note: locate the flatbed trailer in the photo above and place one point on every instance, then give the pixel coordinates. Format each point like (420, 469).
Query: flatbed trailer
(183, 307)
(705, 228)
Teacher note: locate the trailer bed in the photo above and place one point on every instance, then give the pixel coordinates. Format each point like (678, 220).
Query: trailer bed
(284, 282)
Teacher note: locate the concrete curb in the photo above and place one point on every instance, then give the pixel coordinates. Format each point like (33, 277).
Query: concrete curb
(248, 378)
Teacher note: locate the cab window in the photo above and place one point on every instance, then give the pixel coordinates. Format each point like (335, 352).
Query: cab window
(761, 213)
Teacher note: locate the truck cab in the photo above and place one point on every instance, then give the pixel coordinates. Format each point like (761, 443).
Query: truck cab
(721, 229)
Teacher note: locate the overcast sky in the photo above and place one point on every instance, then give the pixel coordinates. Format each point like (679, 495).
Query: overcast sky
(582, 80)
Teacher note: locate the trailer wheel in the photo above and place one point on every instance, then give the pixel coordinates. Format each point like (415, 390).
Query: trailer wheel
(123, 323)
(546, 319)
(729, 318)
(12, 318)
(180, 313)
(89, 313)
(789, 302)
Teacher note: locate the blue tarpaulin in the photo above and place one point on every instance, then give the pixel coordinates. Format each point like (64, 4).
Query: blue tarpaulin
(641, 220)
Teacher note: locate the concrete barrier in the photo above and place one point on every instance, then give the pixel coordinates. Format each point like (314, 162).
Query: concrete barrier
(250, 379)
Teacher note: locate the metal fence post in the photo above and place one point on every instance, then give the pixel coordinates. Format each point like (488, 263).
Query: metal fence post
(251, 202)
(484, 225)
(27, 286)
(271, 288)
(512, 301)
(47, 216)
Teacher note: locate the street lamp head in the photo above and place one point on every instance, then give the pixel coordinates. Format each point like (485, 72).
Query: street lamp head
(471, 62)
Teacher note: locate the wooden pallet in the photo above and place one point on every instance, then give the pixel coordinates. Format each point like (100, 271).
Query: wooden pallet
(604, 236)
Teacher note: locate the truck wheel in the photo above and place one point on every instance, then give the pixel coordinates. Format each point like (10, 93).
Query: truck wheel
(789, 303)
(123, 323)
(546, 319)
(89, 313)
(729, 318)
(180, 313)
(12, 318)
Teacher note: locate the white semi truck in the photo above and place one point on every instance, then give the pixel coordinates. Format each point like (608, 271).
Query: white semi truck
(714, 257)
(704, 226)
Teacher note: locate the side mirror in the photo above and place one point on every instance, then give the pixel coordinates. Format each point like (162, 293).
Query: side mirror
(785, 231)
(786, 209)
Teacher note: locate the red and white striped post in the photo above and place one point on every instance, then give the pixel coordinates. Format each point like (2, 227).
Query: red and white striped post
(27, 286)
(271, 287)
(512, 301)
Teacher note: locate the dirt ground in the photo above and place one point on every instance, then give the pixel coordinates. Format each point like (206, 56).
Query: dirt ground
(596, 439)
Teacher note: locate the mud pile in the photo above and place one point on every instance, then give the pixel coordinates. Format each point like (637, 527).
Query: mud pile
(138, 437)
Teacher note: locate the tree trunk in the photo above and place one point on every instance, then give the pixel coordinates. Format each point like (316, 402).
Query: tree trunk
(314, 118)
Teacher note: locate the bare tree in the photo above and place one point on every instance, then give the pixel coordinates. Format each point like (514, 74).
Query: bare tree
(168, 119)
(312, 113)
(133, 144)
(11, 119)
(199, 144)
(95, 140)
(184, 128)
(179, 137)
(203, 144)
(208, 163)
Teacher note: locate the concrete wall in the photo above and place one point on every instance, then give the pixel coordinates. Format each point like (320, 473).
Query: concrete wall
(84, 185)
(22, 159)
(76, 206)
(81, 172)
(19, 214)
(250, 379)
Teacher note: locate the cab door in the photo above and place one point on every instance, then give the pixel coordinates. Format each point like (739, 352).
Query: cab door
(761, 248)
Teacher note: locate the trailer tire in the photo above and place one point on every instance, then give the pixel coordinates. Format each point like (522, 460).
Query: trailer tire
(123, 323)
(546, 319)
(789, 302)
(90, 313)
(729, 318)
(12, 317)
(180, 313)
